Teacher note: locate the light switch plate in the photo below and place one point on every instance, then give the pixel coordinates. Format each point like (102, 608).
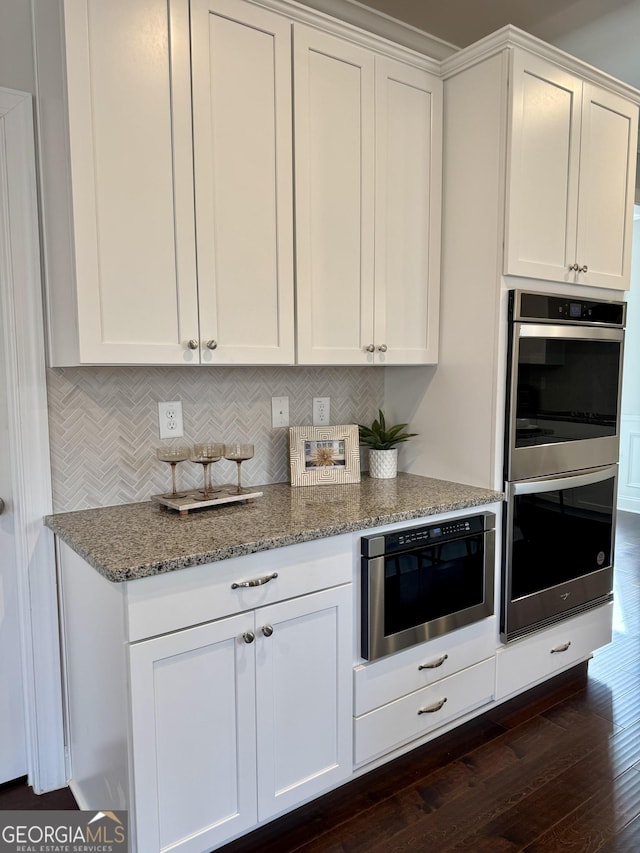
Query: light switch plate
(279, 412)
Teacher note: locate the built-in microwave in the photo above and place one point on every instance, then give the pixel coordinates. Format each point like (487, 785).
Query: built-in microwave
(424, 581)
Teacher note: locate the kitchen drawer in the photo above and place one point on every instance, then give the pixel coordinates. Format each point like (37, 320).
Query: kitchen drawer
(397, 675)
(180, 599)
(399, 722)
(532, 659)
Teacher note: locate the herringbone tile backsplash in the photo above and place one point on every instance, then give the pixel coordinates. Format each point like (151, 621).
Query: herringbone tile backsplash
(104, 423)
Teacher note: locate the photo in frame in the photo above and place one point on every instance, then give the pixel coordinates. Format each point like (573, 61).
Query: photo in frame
(326, 455)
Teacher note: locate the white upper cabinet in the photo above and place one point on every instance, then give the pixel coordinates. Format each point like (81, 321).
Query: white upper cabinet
(368, 179)
(570, 177)
(125, 282)
(119, 233)
(241, 59)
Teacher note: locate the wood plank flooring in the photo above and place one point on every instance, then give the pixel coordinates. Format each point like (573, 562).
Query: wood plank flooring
(555, 770)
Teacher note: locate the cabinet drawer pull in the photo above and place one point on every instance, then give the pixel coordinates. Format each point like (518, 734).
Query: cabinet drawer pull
(562, 648)
(248, 637)
(432, 708)
(255, 581)
(434, 663)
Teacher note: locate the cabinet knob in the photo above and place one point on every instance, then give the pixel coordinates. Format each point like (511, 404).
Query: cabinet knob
(370, 348)
(585, 268)
(192, 344)
(248, 637)
(382, 348)
(212, 344)
(267, 630)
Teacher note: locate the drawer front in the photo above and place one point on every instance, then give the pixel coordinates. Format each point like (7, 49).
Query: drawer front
(383, 681)
(530, 660)
(413, 716)
(187, 597)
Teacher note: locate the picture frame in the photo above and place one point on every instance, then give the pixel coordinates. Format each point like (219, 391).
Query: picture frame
(324, 455)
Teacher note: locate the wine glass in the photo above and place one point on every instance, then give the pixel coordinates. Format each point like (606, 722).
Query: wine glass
(173, 455)
(205, 454)
(238, 453)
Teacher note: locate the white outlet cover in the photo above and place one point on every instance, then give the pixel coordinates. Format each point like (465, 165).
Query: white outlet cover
(170, 419)
(279, 412)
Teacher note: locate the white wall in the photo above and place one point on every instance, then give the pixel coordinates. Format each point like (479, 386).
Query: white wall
(629, 480)
(16, 53)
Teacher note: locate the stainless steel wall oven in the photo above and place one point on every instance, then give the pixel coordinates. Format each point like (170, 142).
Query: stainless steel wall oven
(422, 582)
(561, 453)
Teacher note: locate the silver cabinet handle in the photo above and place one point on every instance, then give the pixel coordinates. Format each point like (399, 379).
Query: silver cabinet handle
(193, 344)
(432, 708)
(574, 267)
(267, 630)
(434, 664)
(382, 348)
(585, 268)
(370, 348)
(1, 506)
(562, 648)
(255, 581)
(248, 637)
(212, 344)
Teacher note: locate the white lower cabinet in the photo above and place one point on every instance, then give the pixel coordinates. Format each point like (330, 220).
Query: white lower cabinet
(531, 660)
(239, 719)
(406, 696)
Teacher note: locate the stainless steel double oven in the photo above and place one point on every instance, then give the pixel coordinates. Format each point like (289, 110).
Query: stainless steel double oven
(561, 453)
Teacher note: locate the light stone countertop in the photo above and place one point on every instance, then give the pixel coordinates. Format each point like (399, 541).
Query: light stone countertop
(134, 541)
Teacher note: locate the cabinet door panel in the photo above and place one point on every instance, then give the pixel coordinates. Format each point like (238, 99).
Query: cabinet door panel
(334, 198)
(304, 698)
(607, 170)
(243, 167)
(129, 133)
(542, 180)
(193, 721)
(408, 196)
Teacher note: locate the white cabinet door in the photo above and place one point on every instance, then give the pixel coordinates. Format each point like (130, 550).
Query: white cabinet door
(607, 188)
(543, 169)
(334, 188)
(129, 102)
(571, 177)
(408, 103)
(241, 60)
(193, 736)
(304, 705)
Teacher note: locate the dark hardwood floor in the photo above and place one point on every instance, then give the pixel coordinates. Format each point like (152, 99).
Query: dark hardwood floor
(555, 770)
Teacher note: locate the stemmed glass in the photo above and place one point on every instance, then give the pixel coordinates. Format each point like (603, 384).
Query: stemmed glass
(238, 453)
(205, 454)
(173, 455)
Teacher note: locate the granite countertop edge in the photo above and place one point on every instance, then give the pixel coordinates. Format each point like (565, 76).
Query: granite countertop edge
(142, 569)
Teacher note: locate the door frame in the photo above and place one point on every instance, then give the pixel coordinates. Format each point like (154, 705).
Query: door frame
(23, 350)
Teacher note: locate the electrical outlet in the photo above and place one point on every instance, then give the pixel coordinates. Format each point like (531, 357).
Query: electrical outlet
(170, 419)
(279, 412)
(321, 411)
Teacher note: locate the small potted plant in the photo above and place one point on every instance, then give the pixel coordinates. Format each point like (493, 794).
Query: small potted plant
(382, 441)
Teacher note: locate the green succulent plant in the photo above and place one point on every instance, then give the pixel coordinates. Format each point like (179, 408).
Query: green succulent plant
(379, 436)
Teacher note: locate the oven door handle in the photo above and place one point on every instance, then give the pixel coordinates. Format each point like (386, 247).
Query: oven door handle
(578, 333)
(566, 481)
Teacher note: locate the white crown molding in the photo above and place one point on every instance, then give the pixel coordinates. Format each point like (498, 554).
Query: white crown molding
(350, 19)
(511, 36)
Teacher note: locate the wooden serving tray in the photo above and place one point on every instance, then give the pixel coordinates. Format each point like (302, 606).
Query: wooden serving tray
(226, 494)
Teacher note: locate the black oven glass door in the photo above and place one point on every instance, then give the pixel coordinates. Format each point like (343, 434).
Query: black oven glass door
(559, 554)
(565, 399)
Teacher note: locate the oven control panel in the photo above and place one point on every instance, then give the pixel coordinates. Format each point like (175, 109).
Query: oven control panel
(401, 540)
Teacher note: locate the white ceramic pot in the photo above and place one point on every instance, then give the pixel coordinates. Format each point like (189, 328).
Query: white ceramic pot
(383, 464)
